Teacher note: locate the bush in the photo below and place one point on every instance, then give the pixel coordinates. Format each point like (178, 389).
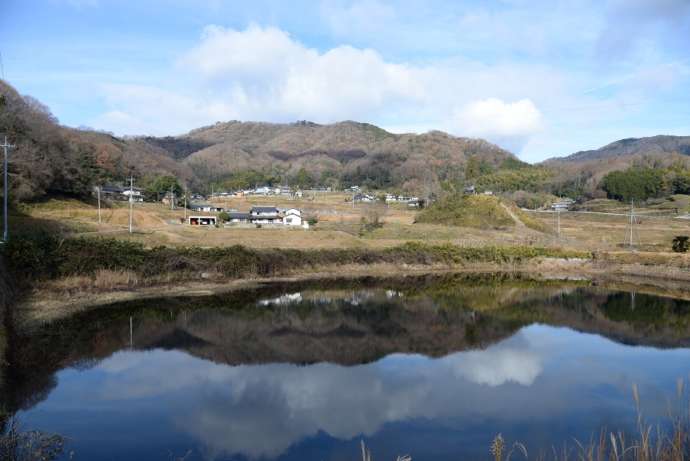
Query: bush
(479, 211)
(681, 244)
(223, 216)
(634, 184)
(33, 259)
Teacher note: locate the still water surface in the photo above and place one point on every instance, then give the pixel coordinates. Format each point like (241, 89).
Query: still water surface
(433, 369)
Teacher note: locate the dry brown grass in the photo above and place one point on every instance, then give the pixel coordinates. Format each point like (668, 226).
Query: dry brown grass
(101, 280)
(339, 226)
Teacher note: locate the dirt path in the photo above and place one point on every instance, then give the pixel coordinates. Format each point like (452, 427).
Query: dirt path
(518, 221)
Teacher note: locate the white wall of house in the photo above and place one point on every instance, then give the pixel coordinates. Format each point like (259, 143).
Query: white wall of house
(292, 217)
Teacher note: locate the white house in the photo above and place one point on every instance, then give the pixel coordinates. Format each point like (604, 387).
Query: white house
(292, 217)
(136, 195)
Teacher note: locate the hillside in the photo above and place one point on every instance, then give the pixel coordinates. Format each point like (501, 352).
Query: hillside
(53, 159)
(356, 153)
(632, 147)
(583, 171)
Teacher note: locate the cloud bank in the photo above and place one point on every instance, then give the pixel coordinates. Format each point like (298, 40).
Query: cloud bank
(262, 73)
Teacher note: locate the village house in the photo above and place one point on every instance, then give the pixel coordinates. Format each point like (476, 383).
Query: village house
(292, 217)
(366, 198)
(265, 215)
(563, 204)
(121, 193)
(239, 218)
(205, 207)
(135, 194)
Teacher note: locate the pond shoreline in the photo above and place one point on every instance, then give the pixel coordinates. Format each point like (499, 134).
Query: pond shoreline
(63, 297)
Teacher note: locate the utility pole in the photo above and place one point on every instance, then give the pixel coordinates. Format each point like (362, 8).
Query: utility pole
(172, 198)
(185, 204)
(631, 236)
(98, 192)
(131, 200)
(632, 217)
(6, 233)
(558, 220)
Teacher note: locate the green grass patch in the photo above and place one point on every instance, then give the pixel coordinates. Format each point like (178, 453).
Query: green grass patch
(477, 211)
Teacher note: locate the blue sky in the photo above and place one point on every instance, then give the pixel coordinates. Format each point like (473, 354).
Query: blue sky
(541, 78)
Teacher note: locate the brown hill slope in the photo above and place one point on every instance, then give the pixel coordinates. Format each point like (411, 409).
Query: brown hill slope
(589, 167)
(50, 158)
(347, 149)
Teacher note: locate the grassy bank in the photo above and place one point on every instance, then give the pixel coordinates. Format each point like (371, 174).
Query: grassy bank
(44, 257)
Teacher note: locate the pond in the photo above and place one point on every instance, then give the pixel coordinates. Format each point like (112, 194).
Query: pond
(431, 367)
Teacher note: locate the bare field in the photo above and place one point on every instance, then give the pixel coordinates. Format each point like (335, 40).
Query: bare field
(339, 225)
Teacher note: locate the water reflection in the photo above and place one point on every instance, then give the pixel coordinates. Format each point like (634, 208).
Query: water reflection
(435, 372)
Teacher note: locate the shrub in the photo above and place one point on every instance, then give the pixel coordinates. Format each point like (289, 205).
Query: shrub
(116, 262)
(223, 216)
(479, 211)
(681, 244)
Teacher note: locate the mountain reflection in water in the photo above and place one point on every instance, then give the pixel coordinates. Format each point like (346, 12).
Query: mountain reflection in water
(434, 369)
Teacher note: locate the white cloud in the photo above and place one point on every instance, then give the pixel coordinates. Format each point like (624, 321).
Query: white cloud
(268, 75)
(511, 123)
(264, 74)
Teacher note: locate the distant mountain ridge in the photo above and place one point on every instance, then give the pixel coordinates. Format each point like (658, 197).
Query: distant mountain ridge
(53, 159)
(346, 149)
(653, 145)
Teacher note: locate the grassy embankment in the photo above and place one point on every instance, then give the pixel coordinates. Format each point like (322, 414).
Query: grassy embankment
(45, 257)
(480, 212)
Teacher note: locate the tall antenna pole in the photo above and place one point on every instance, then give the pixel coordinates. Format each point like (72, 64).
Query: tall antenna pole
(131, 200)
(98, 190)
(6, 232)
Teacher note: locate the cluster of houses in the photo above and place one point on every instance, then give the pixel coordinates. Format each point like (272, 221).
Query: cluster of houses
(258, 215)
(284, 191)
(389, 198)
(411, 201)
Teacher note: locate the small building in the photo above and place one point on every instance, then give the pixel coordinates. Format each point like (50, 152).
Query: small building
(292, 217)
(110, 192)
(562, 205)
(205, 207)
(134, 194)
(263, 190)
(239, 218)
(265, 215)
(470, 190)
(202, 220)
(121, 193)
(366, 198)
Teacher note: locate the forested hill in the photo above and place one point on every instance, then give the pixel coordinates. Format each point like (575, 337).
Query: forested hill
(651, 146)
(51, 158)
(349, 152)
